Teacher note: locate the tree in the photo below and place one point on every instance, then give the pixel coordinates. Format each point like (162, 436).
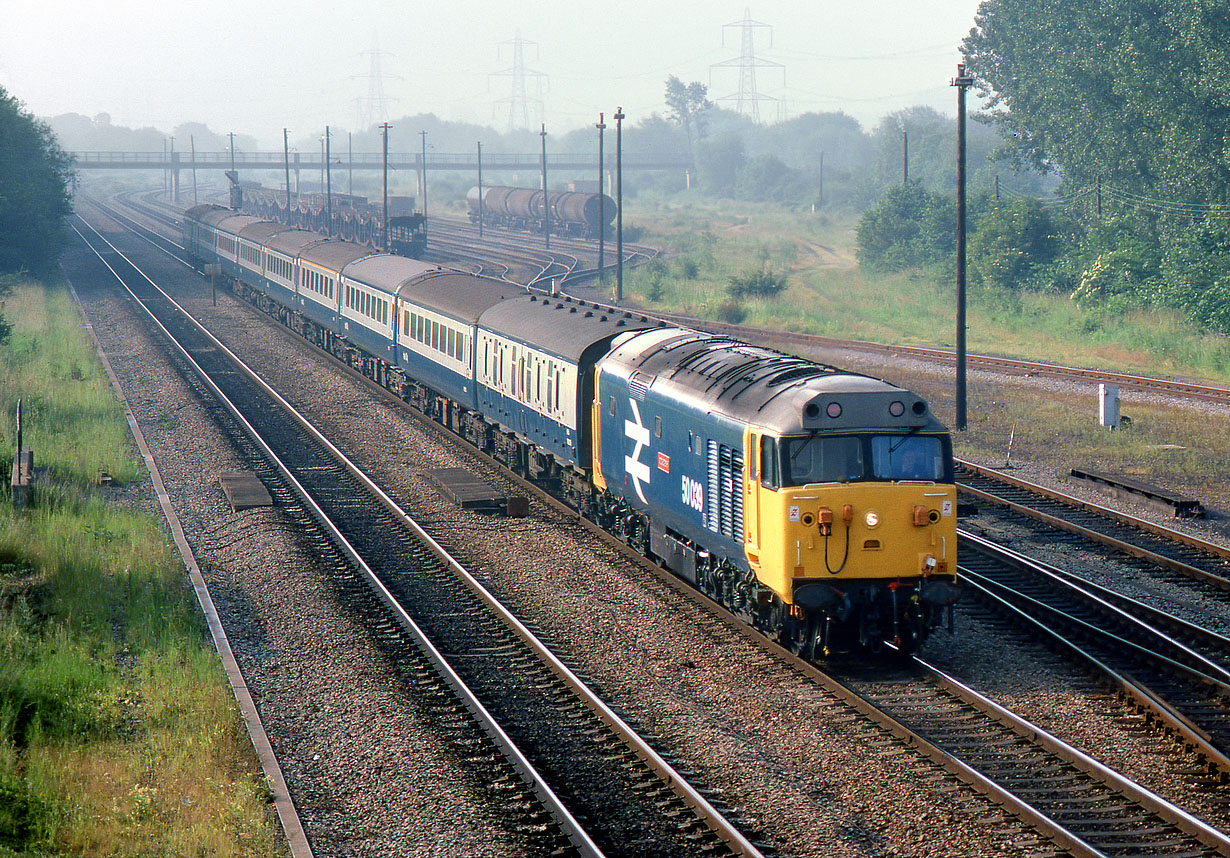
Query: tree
(34, 197)
(718, 163)
(687, 104)
(1136, 92)
(910, 227)
(1012, 239)
(766, 177)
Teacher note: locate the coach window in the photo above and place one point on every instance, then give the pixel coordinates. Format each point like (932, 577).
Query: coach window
(452, 343)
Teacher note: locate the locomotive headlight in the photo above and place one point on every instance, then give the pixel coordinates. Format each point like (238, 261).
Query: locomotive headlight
(871, 518)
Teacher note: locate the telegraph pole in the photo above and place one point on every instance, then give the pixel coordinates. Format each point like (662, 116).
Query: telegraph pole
(619, 204)
(286, 156)
(328, 184)
(480, 189)
(821, 180)
(423, 136)
(601, 126)
(546, 203)
(905, 157)
(962, 82)
(350, 164)
(384, 133)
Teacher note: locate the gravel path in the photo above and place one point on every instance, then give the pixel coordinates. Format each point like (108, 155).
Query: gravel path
(362, 763)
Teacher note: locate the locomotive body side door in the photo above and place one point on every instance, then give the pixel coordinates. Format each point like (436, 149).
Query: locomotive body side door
(751, 496)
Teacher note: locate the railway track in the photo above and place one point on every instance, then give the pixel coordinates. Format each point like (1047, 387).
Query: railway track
(1150, 546)
(604, 788)
(1081, 805)
(1175, 672)
(1170, 835)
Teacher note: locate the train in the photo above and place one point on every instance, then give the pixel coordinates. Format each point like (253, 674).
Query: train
(570, 213)
(817, 504)
(353, 218)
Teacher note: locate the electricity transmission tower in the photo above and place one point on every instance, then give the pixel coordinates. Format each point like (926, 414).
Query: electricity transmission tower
(519, 101)
(375, 108)
(747, 99)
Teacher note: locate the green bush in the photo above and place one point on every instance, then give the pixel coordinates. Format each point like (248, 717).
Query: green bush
(1013, 239)
(910, 227)
(763, 283)
(1196, 273)
(731, 311)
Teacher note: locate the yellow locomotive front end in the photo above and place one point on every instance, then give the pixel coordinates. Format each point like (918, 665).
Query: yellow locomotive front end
(853, 527)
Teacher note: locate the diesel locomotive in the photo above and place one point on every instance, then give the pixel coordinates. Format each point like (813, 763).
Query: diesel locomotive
(815, 503)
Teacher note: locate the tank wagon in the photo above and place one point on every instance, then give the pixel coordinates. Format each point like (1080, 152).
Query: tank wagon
(570, 213)
(815, 503)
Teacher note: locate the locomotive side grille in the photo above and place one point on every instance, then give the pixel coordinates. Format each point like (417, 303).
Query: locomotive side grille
(724, 513)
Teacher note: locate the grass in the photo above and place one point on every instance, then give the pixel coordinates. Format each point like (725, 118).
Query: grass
(708, 242)
(118, 731)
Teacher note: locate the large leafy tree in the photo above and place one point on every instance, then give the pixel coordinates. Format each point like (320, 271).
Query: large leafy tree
(1134, 91)
(34, 196)
(688, 105)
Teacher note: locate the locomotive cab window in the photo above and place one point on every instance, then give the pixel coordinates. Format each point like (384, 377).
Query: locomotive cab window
(770, 476)
(908, 457)
(823, 459)
(819, 458)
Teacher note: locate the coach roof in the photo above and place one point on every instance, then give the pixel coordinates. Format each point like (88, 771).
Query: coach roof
(387, 272)
(463, 297)
(561, 325)
(334, 255)
(292, 241)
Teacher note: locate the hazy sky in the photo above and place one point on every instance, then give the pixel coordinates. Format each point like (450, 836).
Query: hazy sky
(254, 67)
